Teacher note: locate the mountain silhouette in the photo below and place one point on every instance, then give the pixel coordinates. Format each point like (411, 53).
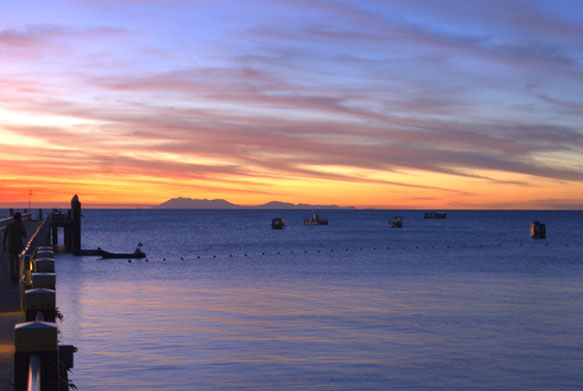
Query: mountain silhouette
(189, 203)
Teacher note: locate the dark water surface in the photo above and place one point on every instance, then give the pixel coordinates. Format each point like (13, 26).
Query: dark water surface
(469, 302)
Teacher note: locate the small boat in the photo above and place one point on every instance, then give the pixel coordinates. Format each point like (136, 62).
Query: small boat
(278, 223)
(538, 230)
(396, 222)
(434, 215)
(315, 220)
(106, 254)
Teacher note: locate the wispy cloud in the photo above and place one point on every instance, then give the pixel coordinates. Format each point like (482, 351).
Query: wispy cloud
(361, 94)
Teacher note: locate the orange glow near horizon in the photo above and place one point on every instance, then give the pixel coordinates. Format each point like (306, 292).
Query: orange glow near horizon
(340, 111)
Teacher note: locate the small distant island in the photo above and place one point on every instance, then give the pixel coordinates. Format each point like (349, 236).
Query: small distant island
(189, 203)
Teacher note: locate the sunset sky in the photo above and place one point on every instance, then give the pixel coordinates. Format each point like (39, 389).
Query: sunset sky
(373, 103)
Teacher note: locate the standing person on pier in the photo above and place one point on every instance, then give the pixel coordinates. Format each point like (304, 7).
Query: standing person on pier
(14, 235)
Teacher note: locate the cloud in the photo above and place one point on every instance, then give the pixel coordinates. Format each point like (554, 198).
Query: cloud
(39, 36)
(348, 92)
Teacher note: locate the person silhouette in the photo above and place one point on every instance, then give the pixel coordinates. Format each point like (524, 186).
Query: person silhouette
(12, 242)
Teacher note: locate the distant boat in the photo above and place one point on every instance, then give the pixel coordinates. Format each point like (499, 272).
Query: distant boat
(106, 254)
(315, 220)
(396, 222)
(538, 230)
(434, 215)
(278, 223)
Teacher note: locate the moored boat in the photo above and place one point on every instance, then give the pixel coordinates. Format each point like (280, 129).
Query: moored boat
(396, 222)
(278, 223)
(315, 220)
(434, 215)
(538, 230)
(106, 254)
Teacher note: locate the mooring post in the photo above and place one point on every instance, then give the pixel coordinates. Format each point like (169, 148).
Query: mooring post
(55, 235)
(40, 299)
(76, 223)
(36, 348)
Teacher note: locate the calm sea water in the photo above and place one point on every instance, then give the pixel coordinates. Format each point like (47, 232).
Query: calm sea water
(224, 302)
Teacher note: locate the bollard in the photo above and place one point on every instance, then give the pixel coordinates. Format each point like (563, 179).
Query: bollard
(36, 339)
(44, 265)
(45, 254)
(66, 353)
(44, 280)
(40, 299)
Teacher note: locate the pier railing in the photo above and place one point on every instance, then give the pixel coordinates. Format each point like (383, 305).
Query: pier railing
(40, 363)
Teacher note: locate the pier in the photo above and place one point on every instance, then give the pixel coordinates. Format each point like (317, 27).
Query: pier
(30, 356)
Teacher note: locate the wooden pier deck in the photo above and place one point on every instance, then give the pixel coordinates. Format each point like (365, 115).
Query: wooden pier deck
(10, 314)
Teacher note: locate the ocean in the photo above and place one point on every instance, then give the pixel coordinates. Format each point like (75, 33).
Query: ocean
(223, 302)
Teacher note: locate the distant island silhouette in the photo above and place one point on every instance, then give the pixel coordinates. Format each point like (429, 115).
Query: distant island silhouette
(189, 203)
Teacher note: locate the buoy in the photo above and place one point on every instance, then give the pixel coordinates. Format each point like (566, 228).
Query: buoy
(182, 258)
(198, 257)
(214, 256)
(146, 260)
(230, 255)
(163, 259)
(129, 261)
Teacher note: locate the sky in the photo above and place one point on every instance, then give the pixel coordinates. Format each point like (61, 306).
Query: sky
(372, 103)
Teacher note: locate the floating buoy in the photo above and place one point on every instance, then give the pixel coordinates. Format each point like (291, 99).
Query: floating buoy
(146, 260)
(198, 257)
(214, 256)
(181, 258)
(129, 261)
(163, 259)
